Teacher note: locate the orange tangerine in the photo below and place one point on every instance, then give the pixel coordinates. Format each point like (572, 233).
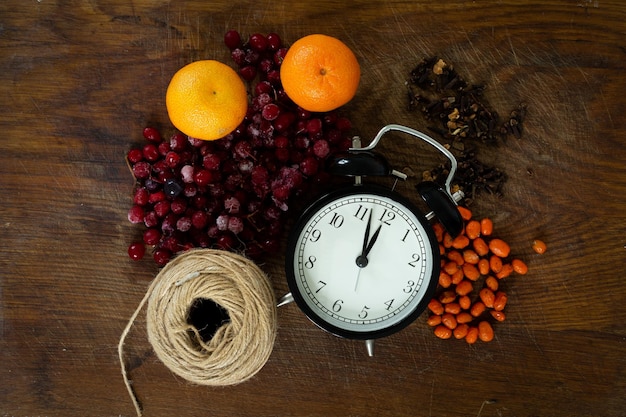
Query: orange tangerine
(206, 100)
(320, 73)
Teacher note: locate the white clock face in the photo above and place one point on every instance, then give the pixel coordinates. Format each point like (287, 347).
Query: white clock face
(359, 279)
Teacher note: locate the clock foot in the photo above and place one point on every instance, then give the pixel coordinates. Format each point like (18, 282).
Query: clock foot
(369, 345)
(285, 299)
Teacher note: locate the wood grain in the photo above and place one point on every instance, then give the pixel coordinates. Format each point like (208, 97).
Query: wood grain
(80, 79)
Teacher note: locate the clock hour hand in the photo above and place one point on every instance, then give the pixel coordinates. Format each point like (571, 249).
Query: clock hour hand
(370, 245)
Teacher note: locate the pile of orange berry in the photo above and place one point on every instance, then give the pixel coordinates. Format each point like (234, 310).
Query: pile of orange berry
(469, 296)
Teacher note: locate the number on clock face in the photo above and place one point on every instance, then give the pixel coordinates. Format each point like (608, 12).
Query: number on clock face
(397, 272)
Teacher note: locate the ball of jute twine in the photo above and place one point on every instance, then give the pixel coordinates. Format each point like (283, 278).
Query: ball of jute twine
(238, 349)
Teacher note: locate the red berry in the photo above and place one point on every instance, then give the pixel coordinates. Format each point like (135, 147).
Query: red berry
(232, 39)
(183, 224)
(232, 205)
(258, 42)
(156, 196)
(162, 256)
(151, 134)
(270, 111)
(199, 219)
(321, 148)
(202, 177)
(142, 196)
(142, 170)
(281, 142)
(151, 219)
(151, 236)
(239, 56)
(235, 225)
(134, 156)
(309, 166)
(226, 242)
(136, 214)
(136, 251)
(343, 124)
(178, 142)
(211, 162)
(222, 222)
(179, 205)
(283, 121)
(279, 56)
(314, 126)
(273, 41)
(150, 152)
(164, 148)
(263, 87)
(248, 72)
(172, 159)
(162, 208)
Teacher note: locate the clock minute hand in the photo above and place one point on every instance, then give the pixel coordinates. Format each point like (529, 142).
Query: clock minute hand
(367, 236)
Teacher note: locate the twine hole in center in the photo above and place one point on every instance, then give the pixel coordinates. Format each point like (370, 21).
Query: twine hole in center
(206, 316)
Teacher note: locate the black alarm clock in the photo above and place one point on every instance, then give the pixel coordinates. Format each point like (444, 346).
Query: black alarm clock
(362, 261)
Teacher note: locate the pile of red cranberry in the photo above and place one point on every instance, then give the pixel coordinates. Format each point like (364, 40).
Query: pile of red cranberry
(233, 193)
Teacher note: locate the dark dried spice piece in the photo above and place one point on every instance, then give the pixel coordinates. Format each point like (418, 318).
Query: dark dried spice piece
(461, 116)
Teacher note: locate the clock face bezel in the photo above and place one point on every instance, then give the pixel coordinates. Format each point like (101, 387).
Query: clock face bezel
(294, 242)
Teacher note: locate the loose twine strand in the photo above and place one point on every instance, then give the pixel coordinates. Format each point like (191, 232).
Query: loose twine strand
(238, 349)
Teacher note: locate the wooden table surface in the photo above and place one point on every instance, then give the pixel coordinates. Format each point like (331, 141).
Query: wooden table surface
(79, 80)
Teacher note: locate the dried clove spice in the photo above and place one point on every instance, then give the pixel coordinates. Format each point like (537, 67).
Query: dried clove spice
(472, 176)
(463, 118)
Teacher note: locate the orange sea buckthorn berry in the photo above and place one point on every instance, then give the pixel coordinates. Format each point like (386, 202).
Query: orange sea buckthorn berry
(464, 287)
(539, 246)
(444, 280)
(457, 276)
(452, 308)
(464, 317)
(460, 331)
(465, 302)
(498, 315)
(450, 267)
(486, 227)
(485, 331)
(500, 301)
(487, 297)
(435, 306)
(492, 283)
(495, 263)
(499, 247)
(439, 231)
(434, 320)
(460, 242)
(477, 308)
(472, 335)
(447, 240)
(506, 270)
(471, 257)
(449, 321)
(447, 297)
(471, 272)
(472, 229)
(483, 266)
(443, 332)
(519, 266)
(466, 213)
(456, 257)
(480, 246)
